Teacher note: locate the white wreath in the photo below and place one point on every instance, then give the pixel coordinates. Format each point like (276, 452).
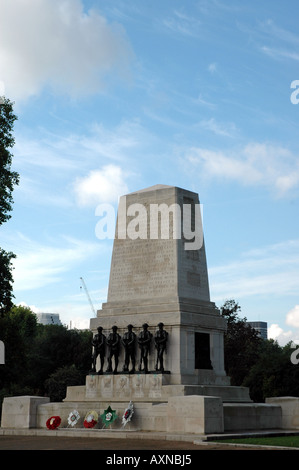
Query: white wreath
(73, 418)
(128, 413)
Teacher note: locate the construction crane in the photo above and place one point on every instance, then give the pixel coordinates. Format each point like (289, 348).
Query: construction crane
(88, 296)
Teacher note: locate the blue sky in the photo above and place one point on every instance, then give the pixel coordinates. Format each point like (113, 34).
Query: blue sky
(115, 96)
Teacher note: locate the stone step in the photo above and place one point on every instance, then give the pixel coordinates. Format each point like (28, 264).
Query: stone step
(148, 388)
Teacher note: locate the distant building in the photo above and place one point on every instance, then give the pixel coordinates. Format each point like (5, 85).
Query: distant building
(261, 327)
(48, 318)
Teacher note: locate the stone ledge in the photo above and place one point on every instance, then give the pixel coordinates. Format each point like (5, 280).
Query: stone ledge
(21, 412)
(246, 416)
(153, 387)
(290, 410)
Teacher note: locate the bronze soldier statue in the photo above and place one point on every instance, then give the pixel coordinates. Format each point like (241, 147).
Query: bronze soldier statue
(98, 343)
(144, 341)
(113, 343)
(161, 337)
(129, 340)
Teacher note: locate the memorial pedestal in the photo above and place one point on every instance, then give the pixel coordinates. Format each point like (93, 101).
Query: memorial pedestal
(153, 387)
(195, 329)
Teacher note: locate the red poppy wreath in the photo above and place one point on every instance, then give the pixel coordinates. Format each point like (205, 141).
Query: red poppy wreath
(53, 422)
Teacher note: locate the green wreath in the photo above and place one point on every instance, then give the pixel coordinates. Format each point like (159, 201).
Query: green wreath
(108, 416)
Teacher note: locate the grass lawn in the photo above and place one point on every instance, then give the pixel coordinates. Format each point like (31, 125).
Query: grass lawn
(286, 441)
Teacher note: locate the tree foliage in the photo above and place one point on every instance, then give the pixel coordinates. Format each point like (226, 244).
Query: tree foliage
(8, 179)
(6, 281)
(39, 356)
(274, 374)
(262, 365)
(58, 382)
(241, 343)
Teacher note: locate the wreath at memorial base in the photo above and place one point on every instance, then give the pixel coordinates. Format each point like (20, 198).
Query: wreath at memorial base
(73, 418)
(91, 419)
(53, 422)
(127, 416)
(108, 416)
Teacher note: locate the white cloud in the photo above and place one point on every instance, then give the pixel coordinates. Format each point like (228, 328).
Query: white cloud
(292, 318)
(255, 164)
(201, 101)
(33, 308)
(51, 160)
(272, 270)
(80, 323)
(283, 336)
(35, 190)
(70, 152)
(212, 68)
(183, 24)
(115, 143)
(280, 53)
(74, 309)
(105, 185)
(38, 265)
(276, 35)
(222, 129)
(275, 32)
(72, 315)
(278, 334)
(57, 43)
(48, 153)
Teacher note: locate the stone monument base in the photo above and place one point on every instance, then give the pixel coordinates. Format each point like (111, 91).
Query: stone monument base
(183, 415)
(201, 415)
(162, 406)
(21, 412)
(153, 387)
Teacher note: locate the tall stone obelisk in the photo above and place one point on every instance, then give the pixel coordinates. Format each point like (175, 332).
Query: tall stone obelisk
(159, 274)
(151, 266)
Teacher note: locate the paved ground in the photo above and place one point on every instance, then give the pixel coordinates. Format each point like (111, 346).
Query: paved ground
(79, 443)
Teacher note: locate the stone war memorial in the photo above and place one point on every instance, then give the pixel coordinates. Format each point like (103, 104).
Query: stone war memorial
(158, 342)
